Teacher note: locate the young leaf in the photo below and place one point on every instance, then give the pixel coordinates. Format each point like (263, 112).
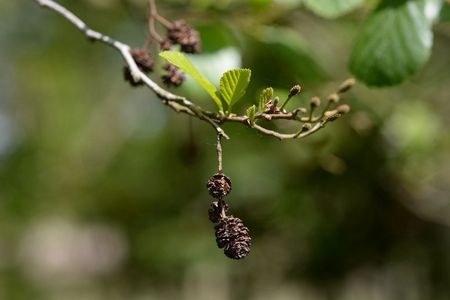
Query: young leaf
(251, 114)
(395, 42)
(183, 63)
(332, 8)
(233, 85)
(266, 96)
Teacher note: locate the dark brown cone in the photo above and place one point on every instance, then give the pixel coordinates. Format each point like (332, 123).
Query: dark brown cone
(233, 236)
(219, 185)
(217, 210)
(239, 248)
(187, 37)
(142, 59)
(144, 62)
(174, 76)
(166, 45)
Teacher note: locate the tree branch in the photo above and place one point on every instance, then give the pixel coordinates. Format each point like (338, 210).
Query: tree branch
(181, 104)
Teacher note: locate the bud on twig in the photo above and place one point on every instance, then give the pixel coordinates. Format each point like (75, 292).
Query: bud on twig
(295, 90)
(343, 109)
(272, 106)
(346, 85)
(334, 98)
(315, 102)
(276, 100)
(306, 127)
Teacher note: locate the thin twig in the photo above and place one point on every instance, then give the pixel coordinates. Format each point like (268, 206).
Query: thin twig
(154, 12)
(181, 104)
(168, 98)
(151, 22)
(219, 153)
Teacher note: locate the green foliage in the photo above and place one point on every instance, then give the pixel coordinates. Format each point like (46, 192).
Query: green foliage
(283, 55)
(233, 85)
(394, 43)
(332, 8)
(265, 97)
(445, 13)
(181, 61)
(96, 154)
(251, 111)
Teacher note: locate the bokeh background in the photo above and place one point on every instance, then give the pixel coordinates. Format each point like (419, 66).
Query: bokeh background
(102, 188)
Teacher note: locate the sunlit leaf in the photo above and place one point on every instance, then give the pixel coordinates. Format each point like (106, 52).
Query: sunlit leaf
(183, 63)
(233, 85)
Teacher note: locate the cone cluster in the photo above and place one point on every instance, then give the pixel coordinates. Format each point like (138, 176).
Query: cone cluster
(144, 62)
(178, 33)
(231, 234)
(182, 34)
(174, 76)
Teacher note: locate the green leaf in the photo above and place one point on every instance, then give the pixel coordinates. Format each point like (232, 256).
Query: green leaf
(251, 114)
(394, 43)
(332, 8)
(266, 96)
(183, 63)
(233, 85)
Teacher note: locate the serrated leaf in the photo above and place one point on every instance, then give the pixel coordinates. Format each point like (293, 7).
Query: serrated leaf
(266, 96)
(184, 64)
(233, 85)
(251, 111)
(394, 43)
(332, 8)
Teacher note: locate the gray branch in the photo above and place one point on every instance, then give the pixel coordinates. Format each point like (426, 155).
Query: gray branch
(181, 104)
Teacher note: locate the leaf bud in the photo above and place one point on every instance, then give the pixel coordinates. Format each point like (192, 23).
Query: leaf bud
(306, 127)
(346, 85)
(295, 90)
(315, 102)
(343, 109)
(334, 98)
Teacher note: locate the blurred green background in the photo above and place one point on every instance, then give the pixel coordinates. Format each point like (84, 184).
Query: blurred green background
(102, 188)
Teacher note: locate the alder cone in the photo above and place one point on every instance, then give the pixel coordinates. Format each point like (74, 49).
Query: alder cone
(187, 37)
(166, 45)
(238, 248)
(219, 185)
(215, 211)
(174, 76)
(144, 62)
(142, 59)
(233, 236)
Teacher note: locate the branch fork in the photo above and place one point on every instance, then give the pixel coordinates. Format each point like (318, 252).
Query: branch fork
(181, 104)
